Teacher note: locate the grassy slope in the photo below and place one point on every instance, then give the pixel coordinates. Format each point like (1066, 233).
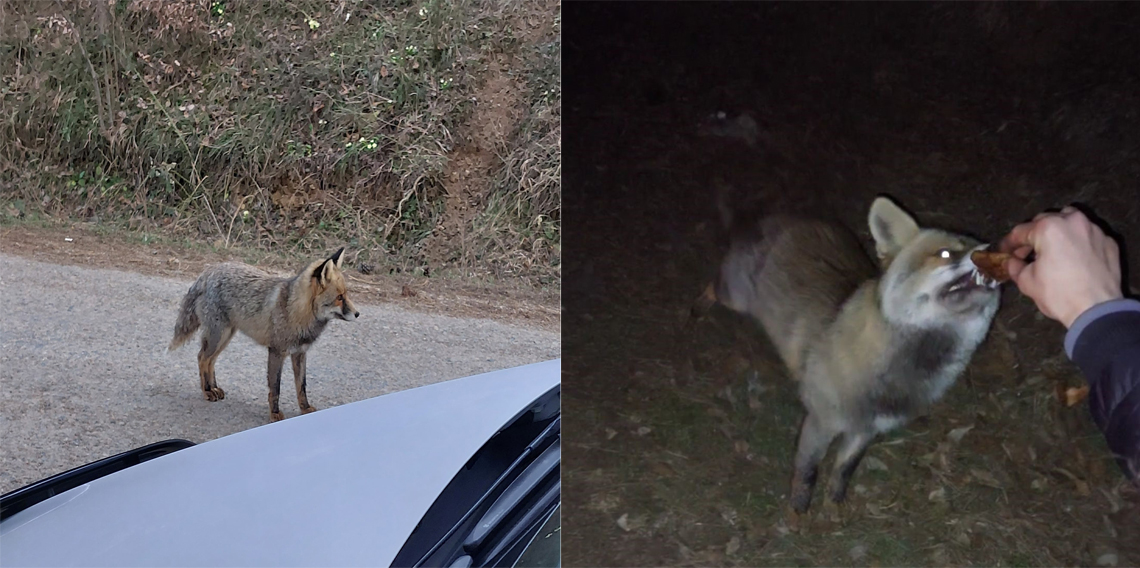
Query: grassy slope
(299, 125)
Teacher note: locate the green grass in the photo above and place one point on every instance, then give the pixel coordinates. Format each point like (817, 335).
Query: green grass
(268, 124)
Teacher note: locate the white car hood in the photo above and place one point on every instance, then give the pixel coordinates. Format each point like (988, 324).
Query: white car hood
(340, 487)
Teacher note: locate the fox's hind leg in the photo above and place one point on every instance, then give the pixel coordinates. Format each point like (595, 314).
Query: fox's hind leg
(299, 379)
(815, 437)
(214, 340)
(847, 459)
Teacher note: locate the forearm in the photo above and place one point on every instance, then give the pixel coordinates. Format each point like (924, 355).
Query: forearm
(1105, 343)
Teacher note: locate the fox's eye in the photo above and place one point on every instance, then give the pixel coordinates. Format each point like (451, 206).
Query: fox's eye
(340, 298)
(944, 253)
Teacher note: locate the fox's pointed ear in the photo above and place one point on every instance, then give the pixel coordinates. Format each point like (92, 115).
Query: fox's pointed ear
(321, 272)
(891, 226)
(338, 257)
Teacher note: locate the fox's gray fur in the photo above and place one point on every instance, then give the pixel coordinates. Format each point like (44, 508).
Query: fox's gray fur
(286, 315)
(870, 351)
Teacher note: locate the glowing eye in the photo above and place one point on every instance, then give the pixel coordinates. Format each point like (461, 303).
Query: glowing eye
(944, 253)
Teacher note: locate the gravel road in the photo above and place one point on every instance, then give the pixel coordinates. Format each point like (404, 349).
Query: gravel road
(84, 371)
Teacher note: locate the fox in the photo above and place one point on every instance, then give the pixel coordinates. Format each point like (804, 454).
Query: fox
(871, 345)
(286, 315)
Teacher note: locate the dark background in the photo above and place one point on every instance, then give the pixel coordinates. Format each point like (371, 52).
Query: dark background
(976, 116)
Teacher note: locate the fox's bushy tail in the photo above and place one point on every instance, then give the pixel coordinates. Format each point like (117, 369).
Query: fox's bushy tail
(187, 322)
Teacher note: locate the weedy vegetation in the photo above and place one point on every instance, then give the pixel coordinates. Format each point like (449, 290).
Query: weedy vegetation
(293, 125)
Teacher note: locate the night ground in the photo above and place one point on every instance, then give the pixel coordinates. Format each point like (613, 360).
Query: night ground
(680, 432)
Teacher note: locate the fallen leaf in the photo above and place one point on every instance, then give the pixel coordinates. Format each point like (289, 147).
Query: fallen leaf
(1107, 559)
(733, 546)
(610, 433)
(956, 434)
(644, 430)
(704, 302)
(857, 552)
(985, 478)
(630, 524)
(1081, 485)
(407, 292)
(663, 470)
(730, 516)
(1074, 395)
(875, 464)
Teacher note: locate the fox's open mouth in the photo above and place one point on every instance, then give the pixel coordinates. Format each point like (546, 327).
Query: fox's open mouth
(968, 282)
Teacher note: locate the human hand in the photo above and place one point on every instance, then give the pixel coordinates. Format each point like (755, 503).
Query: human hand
(1077, 265)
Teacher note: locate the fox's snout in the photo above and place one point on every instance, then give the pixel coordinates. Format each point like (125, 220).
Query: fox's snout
(348, 311)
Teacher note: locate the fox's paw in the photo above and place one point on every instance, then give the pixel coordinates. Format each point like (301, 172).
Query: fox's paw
(837, 492)
(277, 416)
(308, 409)
(800, 500)
(215, 394)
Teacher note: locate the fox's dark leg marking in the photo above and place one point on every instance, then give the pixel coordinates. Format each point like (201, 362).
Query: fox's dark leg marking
(211, 378)
(203, 368)
(851, 452)
(276, 363)
(299, 379)
(213, 341)
(814, 441)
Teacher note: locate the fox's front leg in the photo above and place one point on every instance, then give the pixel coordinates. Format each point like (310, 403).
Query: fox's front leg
(299, 379)
(847, 459)
(814, 441)
(276, 363)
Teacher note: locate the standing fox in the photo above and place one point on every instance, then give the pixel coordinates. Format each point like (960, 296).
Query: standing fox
(287, 315)
(870, 351)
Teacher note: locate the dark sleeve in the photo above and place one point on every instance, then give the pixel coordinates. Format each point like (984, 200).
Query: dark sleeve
(1107, 350)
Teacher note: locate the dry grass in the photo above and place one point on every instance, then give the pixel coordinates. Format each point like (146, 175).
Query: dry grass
(261, 124)
(523, 219)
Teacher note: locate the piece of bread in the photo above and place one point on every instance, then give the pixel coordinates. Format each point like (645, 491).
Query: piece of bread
(990, 264)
